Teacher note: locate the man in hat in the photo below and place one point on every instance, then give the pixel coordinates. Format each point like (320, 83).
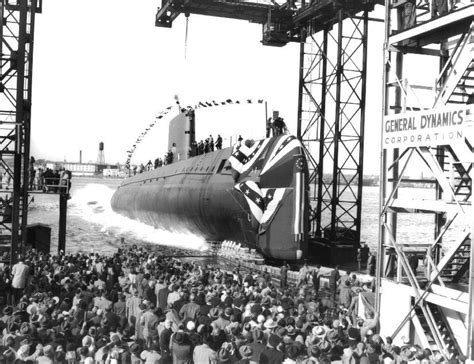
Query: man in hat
(152, 355)
(19, 276)
(334, 277)
(246, 353)
(164, 338)
(270, 354)
(237, 308)
(46, 356)
(174, 294)
(162, 297)
(223, 320)
(257, 345)
(180, 347)
(303, 274)
(133, 307)
(284, 275)
(204, 353)
(189, 310)
(149, 321)
(292, 352)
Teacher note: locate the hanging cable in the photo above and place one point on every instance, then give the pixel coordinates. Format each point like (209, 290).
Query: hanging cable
(186, 36)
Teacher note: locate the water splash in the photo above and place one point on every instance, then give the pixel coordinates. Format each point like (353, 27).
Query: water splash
(92, 203)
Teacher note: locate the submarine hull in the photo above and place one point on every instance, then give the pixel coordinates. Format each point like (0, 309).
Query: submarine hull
(213, 196)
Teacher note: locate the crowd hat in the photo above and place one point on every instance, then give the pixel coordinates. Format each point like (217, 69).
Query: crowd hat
(274, 340)
(135, 349)
(227, 312)
(223, 356)
(353, 333)
(281, 331)
(324, 346)
(318, 331)
(270, 324)
(331, 335)
(48, 350)
(292, 351)
(179, 337)
(246, 352)
(238, 303)
(190, 325)
(214, 312)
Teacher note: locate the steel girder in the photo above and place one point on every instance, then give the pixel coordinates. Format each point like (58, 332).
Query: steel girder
(331, 124)
(17, 21)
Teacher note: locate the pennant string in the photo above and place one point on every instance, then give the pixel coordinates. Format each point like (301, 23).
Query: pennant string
(161, 114)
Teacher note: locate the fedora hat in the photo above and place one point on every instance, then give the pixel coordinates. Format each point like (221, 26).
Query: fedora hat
(179, 337)
(318, 331)
(270, 324)
(246, 352)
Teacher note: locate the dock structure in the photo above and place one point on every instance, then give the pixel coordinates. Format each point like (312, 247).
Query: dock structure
(427, 129)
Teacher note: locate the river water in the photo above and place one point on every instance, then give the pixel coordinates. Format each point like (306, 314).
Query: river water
(92, 225)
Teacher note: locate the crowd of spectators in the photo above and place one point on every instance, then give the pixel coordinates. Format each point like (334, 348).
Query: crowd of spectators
(136, 306)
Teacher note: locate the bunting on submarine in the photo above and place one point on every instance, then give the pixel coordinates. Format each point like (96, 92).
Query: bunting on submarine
(264, 203)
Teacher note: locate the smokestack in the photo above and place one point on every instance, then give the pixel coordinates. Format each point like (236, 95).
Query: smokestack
(80, 156)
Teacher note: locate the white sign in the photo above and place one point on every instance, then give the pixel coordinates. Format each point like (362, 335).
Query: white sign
(443, 126)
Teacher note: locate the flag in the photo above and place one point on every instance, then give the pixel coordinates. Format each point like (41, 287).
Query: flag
(284, 146)
(238, 159)
(254, 198)
(298, 207)
(273, 198)
(241, 164)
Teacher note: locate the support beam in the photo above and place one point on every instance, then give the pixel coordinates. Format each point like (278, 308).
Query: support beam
(63, 197)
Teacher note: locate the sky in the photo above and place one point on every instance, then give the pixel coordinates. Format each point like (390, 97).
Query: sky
(103, 72)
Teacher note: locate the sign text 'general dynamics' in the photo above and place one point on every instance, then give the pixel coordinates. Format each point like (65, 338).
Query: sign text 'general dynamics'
(443, 126)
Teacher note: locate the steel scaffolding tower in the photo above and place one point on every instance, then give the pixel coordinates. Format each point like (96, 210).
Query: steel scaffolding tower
(427, 130)
(331, 122)
(17, 22)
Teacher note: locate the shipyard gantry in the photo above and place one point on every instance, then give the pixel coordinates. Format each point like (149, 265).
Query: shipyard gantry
(332, 36)
(427, 133)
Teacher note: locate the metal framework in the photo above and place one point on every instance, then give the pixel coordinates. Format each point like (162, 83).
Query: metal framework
(331, 123)
(331, 108)
(439, 313)
(17, 22)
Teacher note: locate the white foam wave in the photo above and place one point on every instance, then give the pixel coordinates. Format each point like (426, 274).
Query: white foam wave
(92, 203)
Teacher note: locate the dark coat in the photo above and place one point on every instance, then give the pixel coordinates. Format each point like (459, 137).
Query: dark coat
(271, 356)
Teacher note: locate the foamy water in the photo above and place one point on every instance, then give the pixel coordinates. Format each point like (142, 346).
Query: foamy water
(92, 225)
(92, 203)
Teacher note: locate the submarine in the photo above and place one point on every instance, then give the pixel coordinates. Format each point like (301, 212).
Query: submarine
(254, 193)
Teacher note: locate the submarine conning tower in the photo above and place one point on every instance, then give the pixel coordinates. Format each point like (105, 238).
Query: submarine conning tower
(182, 134)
